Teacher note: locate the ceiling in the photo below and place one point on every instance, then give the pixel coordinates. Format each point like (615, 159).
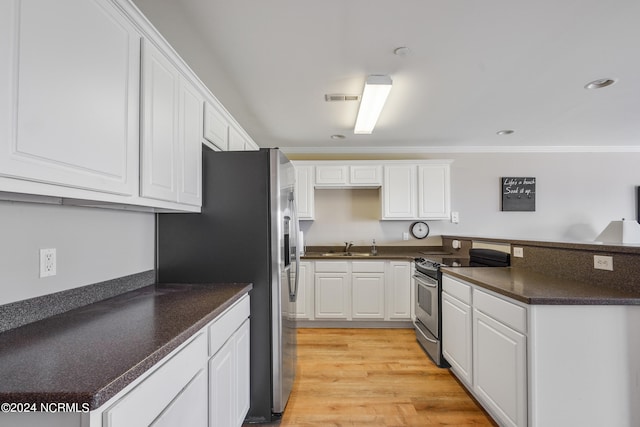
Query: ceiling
(475, 67)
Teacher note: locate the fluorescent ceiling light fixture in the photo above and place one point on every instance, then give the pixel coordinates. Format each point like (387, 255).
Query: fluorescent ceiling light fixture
(376, 91)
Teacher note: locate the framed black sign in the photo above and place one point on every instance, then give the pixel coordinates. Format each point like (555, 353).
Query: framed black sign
(518, 193)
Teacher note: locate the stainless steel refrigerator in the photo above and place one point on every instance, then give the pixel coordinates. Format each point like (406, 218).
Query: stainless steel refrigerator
(247, 232)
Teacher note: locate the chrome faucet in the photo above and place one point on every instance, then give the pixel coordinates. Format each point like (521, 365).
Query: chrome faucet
(374, 250)
(347, 246)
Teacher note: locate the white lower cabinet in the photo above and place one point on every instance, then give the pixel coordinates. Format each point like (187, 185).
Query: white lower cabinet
(484, 339)
(189, 408)
(456, 336)
(157, 392)
(229, 381)
(359, 290)
(500, 369)
(305, 301)
(204, 382)
(367, 290)
(398, 302)
(332, 290)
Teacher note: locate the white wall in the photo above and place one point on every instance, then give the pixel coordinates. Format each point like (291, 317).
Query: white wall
(92, 245)
(577, 195)
(168, 17)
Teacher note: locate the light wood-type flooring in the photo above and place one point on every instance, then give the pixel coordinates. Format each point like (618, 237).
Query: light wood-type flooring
(374, 377)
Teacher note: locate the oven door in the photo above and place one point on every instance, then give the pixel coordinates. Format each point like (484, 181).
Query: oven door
(427, 302)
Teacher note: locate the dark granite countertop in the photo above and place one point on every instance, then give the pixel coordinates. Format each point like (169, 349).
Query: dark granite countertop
(531, 287)
(89, 354)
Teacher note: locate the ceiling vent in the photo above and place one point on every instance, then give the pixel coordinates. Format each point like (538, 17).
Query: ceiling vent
(335, 97)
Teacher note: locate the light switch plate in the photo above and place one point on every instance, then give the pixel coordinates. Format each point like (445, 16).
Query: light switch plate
(518, 252)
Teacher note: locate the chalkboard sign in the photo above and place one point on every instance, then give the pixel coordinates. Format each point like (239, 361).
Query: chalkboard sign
(518, 193)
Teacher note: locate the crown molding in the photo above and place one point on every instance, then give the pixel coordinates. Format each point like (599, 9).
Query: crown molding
(463, 149)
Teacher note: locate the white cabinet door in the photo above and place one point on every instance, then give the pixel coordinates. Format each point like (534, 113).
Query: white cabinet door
(304, 304)
(457, 336)
(305, 192)
(243, 368)
(216, 127)
(171, 132)
(334, 175)
(69, 85)
(229, 381)
(367, 296)
(222, 399)
(160, 92)
(500, 369)
(399, 192)
(237, 142)
(398, 289)
(190, 146)
(333, 296)
(434, 192)
(365, 175)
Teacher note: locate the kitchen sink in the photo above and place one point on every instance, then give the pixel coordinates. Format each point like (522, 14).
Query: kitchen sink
(346, 254)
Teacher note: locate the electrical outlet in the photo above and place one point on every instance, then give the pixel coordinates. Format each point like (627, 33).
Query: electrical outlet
(455, 217)
(518, 252)
(405, 236)
(601, 262)
(47, 262)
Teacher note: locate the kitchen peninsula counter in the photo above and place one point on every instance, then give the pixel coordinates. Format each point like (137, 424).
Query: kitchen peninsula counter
(531, 287)
(87, 355)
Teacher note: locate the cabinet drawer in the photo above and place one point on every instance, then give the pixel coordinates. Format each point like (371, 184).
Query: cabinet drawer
(504, 311)
(367, 266)
(224, 326)
(332, 267)
(149, 398)
(457, 289)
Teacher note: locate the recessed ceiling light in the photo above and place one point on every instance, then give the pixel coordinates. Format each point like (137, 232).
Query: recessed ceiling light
(599, 84)
(402, 51)
(338, 137)
(505, 132)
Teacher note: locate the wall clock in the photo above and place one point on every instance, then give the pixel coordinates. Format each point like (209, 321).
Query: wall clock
(419, 229)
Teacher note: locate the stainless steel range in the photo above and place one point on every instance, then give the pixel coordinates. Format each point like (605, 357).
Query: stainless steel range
(428, 291)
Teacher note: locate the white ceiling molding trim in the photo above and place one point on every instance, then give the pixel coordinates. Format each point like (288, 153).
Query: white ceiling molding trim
(464, 149)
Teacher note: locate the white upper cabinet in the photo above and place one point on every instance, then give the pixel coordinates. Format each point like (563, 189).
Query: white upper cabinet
(304, 191)
(190, 146)
(216, 127)
(238, 141)
(434, 192)
(399, 192)
(331, 174)
(97, 108)
(69, 85)
(416, 191)
(171, 132)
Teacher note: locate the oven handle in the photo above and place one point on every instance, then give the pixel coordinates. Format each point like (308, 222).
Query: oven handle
(422, 280)
(425, 336)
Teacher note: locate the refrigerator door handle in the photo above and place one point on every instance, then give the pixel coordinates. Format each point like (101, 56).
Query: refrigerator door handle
(294, 232)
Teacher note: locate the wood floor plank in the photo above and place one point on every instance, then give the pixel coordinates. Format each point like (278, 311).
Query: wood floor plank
(374, 377)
